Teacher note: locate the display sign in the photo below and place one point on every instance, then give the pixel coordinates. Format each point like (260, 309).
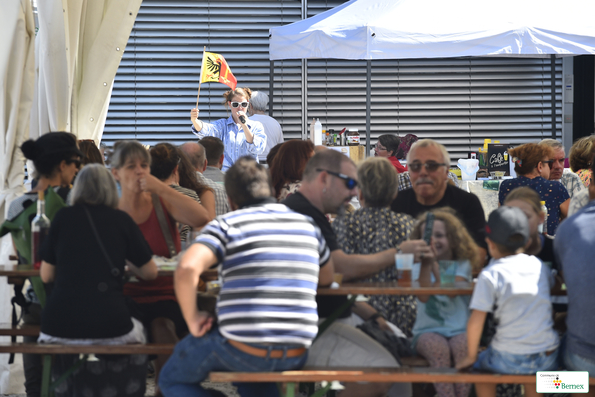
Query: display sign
(497, 158)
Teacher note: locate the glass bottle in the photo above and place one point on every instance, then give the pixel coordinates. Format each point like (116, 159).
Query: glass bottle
(40, 227)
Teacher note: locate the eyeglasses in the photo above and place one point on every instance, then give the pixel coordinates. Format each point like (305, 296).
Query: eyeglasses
(349, 182)
(236, 104)
(549, 163)
(76, 162)
(430, 167)
(378, 147)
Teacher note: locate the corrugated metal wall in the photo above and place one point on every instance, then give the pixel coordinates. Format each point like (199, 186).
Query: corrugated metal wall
(457, 101)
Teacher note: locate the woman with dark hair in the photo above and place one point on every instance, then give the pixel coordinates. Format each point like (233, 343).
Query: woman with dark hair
(147, 200)
(532, 165)
(580, 157)
(56, 159)
(88, 243)
(240, 135)
(91, 154)
(171, 166)
(288, 167)
(388, 147)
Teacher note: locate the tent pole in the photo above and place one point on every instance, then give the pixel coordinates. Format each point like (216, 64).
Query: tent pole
(271, 89)
(553, 94)
(305, 123)
(368, 106)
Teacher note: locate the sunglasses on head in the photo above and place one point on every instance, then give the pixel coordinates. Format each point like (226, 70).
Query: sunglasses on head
(349, 183)
(76, 162)
(430, 167)
(236, 104)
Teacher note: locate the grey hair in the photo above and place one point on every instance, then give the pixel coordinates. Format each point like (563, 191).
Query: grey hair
(126, 150)
(554, 144)
(430, 143)
(94, 185)
(259, 101)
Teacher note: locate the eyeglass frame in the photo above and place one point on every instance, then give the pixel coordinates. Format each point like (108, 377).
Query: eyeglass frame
(238, 104)
(549, 163)
(77, 162)
(348, 181)
(379, 148)
(430, 167)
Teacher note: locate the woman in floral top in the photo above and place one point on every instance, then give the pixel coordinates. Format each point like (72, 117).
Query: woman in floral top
(374, 228)
(580, 156)
(532, 165)
(288, 166)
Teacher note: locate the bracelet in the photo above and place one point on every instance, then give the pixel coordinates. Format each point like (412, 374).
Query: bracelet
(375, 316)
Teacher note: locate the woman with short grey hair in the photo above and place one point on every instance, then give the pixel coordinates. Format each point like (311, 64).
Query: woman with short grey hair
(375, 228)
(84, 255)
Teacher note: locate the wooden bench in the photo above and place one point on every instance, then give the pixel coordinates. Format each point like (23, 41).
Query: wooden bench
(375, 375)
(7, 329)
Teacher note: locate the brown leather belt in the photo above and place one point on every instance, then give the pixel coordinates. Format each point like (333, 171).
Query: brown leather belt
(254, 351)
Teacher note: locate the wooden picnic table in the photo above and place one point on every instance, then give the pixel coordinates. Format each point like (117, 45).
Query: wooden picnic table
(399, 288)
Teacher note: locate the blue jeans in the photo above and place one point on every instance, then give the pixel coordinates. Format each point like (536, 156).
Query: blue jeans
(193, 359)
(507, 363)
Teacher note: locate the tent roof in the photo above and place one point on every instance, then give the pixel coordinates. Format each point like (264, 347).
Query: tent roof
(399, 29)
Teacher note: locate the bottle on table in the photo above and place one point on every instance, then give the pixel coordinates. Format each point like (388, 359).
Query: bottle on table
(40, 227)
(542, 228)
(317, 133)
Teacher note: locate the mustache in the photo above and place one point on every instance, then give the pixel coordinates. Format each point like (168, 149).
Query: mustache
(424, 180)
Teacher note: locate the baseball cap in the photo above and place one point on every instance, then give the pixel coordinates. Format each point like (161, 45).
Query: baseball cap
(504, 224)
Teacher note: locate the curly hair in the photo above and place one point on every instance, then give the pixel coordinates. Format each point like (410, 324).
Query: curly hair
(289, 163)
(239, 91)
(461, 243)
(581, 153)
(528, 156)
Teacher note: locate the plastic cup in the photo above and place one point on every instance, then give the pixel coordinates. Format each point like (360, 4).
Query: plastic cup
(404, 264)
(448, 271)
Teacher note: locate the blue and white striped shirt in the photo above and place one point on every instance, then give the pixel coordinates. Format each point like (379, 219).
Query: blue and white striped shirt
(270, 257)
(234, 139)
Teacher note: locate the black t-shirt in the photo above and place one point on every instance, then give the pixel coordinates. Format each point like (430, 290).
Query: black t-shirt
(467, 206)
(87, 300)
(547, 252)
(297, 202)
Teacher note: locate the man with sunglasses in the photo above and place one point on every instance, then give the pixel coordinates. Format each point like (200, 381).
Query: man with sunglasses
(428, 163)
(329, 183)
(570, 180)
(240, 135)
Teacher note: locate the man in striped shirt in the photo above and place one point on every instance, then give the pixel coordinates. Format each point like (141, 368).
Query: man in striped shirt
(271, 260)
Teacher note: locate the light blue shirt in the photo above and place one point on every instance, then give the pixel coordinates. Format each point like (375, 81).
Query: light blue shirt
(234, 139)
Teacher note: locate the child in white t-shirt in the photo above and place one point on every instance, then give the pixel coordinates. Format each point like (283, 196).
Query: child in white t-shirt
(516, 288)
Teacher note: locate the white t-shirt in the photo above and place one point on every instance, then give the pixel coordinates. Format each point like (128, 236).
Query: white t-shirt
(272, 130)
(516, 289)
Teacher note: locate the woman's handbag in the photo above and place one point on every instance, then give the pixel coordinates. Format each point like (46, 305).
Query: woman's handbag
(398, 347)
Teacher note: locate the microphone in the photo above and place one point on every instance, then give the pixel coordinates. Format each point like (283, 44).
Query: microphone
(242, 119)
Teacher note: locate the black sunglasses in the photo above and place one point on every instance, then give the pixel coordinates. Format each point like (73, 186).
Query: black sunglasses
(549, 163)
(349, 183)
(430, 167)
(236, 104)
(76, 162)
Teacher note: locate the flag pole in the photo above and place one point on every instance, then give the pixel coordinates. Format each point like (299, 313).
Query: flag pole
(200, 78)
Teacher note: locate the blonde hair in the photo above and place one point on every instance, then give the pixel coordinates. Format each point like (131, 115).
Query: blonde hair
(527, 195)
(378, 181)
(461, 243)
(581, 153)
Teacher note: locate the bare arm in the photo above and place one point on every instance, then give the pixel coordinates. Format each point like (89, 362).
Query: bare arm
(365, 311)
(249, 135)
(146, 272)
(356, 266)
(474, 330)
(195, 121)
(564, 209)
(195, 261)
(207, 198)
(326, 274)
(47, 272)
(184, 209)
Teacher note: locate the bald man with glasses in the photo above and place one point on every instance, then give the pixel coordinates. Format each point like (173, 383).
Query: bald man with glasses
(428, 163)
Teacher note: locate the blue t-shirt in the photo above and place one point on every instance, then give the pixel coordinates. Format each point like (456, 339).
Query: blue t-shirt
(444, 315)
(575, 248)
(552, 192)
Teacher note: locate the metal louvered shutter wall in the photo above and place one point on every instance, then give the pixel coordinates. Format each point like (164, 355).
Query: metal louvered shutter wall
(456, 101)
(157, 82)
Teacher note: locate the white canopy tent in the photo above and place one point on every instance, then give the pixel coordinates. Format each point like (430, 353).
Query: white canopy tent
(389, 29)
